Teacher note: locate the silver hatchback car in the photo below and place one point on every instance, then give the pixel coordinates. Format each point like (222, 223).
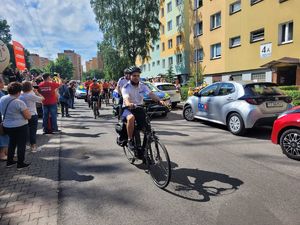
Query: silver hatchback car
(239, 106)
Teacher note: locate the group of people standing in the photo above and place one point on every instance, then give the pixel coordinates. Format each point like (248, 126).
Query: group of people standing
(19, 115)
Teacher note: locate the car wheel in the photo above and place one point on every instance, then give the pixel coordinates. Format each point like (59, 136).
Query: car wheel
(235, 124)
(188, 113)
(290, 143)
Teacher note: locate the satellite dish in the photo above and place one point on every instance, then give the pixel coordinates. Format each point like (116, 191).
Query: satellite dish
(4, 56)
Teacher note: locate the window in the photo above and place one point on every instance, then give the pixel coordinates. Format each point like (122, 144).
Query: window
(153, 64)
(216, 51)
(178, 40)
(226, 89)
(235, 7)
(258, 76)
(162, 29)
(162, 12)
(237, 77)
(198, 55)
(210, 90)
(164, 63)
(198, 29)
(178, 20)
(215, 21)
(253, 2)
(178, 2)
(286, 33)
(169, 7)
(163, 46)
(170, 25)
(157, 47)
(235, 42)
(258, 35)
(170, 59)
(158, 62)
(170, 43)
(178, 58)
(198, 4)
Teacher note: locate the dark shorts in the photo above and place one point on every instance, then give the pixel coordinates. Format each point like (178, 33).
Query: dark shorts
(105, 90)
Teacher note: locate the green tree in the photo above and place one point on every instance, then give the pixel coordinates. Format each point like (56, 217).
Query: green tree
(61, 65)
(170, 74)
(131, 24)
(5, 35)
(114, 62)
(93, 73)
(64, 67)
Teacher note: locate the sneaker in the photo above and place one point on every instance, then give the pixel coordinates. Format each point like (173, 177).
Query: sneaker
(130, 144)
(33, 149)
(68, 115)
(62, 115)
(56, 132)
(10, 164)
(22, 166)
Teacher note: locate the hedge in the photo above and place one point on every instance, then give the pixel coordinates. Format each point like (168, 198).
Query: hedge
(184, 93)
(289, 88)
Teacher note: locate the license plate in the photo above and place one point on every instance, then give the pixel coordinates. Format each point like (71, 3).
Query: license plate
(274, 104)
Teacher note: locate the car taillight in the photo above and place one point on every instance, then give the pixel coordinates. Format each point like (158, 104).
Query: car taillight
(288, 99)
(254, 101)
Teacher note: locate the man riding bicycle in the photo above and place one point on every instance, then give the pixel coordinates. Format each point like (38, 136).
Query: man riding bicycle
(94, 93)
(133, 95)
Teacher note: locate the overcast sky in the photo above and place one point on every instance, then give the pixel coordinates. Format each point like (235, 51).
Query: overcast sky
(47, 27)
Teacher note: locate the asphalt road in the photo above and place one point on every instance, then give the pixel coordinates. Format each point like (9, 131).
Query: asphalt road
(217, 178)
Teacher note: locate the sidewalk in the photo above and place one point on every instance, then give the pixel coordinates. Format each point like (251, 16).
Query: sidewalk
(30, 196)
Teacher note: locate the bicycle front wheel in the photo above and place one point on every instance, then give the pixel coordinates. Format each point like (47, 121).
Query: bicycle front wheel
(129, 154)
(158, 163)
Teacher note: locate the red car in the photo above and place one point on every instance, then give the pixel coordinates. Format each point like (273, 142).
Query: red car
(286, 132)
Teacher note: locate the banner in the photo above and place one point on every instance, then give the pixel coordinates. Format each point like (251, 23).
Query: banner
(19, 55)
(4, 56)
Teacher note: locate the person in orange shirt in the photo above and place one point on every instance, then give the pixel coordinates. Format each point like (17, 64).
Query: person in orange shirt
(94, 93)
(87, 84)
(106, 86)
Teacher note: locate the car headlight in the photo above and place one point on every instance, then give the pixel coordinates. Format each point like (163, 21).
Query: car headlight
(282, 115)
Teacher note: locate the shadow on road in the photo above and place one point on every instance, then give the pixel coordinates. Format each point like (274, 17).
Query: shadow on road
(171, 133)
(83, 135)
(199, 185)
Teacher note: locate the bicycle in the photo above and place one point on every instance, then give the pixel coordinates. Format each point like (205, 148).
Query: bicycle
(95, 109)
(106, 96)
(154, 154)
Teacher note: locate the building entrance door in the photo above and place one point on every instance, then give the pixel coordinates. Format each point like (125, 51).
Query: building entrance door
(286, 75)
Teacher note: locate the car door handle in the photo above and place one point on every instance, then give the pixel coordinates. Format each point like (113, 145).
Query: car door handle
(230, 99)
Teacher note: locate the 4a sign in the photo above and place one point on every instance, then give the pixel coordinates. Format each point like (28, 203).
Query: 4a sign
(265, 50)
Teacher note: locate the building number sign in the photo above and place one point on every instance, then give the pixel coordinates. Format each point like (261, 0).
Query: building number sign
(265, 50)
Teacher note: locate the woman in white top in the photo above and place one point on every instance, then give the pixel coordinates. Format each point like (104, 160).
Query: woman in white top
(31, 96)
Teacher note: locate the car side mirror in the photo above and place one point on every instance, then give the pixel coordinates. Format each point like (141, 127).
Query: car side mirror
(197, 94)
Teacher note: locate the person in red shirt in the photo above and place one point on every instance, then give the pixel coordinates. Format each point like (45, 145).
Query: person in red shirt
(47, 89)
(106, 86)
(94, 93)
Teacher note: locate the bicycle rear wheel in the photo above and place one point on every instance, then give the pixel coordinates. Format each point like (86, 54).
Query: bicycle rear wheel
(158, 163)
(95, 109)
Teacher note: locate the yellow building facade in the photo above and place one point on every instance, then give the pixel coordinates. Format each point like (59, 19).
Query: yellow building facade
(245, 40)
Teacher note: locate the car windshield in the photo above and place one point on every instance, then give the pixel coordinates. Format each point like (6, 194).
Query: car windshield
(166, 87)
(263, 89)
(151, 87)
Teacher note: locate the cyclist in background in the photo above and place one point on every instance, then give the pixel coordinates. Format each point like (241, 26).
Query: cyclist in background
(87, 84)
(94, 93)
(106, 86)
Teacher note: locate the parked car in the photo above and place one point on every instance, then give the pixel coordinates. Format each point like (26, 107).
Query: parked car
(156, 108)
(286, 132)
(169, 88)
(239, 106)
(80, 92)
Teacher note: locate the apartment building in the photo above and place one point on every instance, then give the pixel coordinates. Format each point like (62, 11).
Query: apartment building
(96, 63)
(245, 40)
(172, 49)
(38, 62)
(76, 61)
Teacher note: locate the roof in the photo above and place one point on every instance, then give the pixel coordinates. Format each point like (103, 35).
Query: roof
(285, 61)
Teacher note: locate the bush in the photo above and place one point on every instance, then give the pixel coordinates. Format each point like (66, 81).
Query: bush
(295, 96)
(289, 88)
(184, 93)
